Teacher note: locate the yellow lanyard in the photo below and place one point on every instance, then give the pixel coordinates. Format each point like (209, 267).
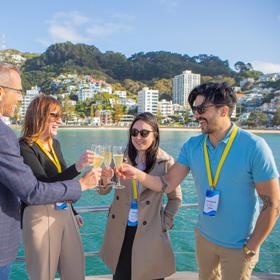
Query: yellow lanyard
(53, 158)
(224, 155)
(135, 192)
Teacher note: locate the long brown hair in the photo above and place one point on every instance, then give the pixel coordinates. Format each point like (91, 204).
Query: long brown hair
(37, 116)
(151, 152)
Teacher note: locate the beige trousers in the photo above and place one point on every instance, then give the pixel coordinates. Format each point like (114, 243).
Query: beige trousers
(52, 243)
(216, 262)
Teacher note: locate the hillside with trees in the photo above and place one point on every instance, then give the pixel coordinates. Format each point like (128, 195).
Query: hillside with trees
(115, 67)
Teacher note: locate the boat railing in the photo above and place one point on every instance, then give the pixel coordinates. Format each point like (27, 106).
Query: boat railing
(105, 208)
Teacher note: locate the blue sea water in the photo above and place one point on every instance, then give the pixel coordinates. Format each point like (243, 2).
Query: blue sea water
(75, 141)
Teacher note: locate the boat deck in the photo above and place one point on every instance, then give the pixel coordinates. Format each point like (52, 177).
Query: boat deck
(186, 275)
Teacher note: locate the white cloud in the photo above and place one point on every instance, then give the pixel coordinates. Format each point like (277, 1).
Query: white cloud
(107, 29)
(69, 18)
(77, 28)
(266, 67)
(60, 33)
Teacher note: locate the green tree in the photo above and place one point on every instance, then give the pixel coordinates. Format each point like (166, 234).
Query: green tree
(68, 109)
(242, 67)
(276, 118)
(163, 86)
(257, 119)
(219, 79)
(118, 112)
(133, 86)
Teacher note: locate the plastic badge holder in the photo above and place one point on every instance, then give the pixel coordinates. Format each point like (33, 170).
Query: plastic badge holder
(133, 215)
(61, 206)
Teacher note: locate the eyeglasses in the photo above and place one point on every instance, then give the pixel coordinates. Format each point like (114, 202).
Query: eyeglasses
(201, 109)
(14, 89)
(144, 132)
(56, 115)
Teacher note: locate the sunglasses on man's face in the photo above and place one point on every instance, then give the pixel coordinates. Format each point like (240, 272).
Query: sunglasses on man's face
(201, 109)
(144, 132)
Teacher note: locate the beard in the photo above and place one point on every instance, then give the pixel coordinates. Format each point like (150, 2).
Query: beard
(204, 126)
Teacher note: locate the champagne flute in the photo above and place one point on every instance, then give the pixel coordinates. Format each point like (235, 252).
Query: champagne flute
(118, 160)
(98, 157)
(108, 160)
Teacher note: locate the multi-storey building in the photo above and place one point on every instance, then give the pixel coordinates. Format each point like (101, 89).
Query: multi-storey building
(27, 98)
(165, 108)
(120, 93)
(182, 86)
(106, 117)
(148, 100)
(86, 93)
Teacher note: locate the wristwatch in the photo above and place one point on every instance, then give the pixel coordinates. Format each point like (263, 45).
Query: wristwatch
(248, 252)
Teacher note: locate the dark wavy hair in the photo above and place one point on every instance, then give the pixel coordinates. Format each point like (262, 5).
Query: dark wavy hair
(151, 152)
(215, 93)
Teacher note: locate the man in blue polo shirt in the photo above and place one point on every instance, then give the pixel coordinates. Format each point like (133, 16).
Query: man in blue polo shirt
(231, 168)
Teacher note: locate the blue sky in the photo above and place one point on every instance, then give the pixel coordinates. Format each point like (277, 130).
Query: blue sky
(246, 30)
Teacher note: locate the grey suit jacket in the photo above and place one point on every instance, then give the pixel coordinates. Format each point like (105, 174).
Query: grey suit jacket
(18, 182)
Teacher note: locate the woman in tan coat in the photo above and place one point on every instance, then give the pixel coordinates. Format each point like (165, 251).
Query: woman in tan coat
(136, 242)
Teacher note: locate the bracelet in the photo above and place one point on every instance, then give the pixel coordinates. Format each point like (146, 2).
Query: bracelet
(164, 184)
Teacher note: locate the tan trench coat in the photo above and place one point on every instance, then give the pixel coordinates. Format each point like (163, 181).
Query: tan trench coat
(152, 255)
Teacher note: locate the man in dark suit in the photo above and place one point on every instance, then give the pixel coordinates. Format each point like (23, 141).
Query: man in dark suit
(17, 180)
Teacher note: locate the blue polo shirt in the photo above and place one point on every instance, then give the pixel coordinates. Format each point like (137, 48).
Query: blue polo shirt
(249, 160)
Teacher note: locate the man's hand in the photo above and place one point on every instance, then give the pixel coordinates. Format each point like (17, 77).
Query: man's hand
(79, 220)
(90, 179)
(127, 172)
(107, 175)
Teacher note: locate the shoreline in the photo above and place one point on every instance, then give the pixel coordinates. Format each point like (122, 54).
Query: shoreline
(164, 128)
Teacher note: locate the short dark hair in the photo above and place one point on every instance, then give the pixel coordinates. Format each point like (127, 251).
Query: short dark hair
(151, 152)
(215, 93)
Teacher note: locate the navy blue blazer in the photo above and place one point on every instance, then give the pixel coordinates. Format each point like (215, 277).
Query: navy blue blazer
(18, 182)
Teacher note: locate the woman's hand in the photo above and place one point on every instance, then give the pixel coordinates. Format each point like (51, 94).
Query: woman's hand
(79, 221)
(85, 160)
(107, 175)
(127, 172)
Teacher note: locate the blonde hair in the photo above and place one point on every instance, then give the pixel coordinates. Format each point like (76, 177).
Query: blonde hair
(37, 115)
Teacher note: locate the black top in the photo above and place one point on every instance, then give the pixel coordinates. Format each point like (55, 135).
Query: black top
(42, 167)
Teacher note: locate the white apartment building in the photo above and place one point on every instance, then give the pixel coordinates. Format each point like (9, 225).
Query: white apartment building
(27, 98)
(178, 108)
(129, 103)
(120, 93)
(182, 86)
(85, 93)
(106, 89)
(148, 100)
(165, 108)
(125, 120)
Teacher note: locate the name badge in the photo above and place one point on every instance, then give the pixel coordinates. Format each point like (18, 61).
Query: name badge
(61, 206)
(211, 203)
(133, 215)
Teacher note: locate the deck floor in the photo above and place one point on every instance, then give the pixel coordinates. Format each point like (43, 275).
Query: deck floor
(194, 276)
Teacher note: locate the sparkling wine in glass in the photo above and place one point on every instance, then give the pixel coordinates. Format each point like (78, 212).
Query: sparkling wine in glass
(118, 161)
(107, 161)
(98, 157)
